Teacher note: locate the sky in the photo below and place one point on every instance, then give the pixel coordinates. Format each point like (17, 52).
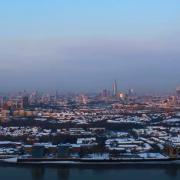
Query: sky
(84, 45)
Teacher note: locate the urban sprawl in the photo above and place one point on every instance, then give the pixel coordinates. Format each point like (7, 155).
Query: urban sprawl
(110, 124)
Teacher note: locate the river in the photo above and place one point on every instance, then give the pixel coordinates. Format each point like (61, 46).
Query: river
(89, 173)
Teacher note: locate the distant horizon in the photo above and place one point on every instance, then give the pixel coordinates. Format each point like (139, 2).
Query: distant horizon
(95, 91)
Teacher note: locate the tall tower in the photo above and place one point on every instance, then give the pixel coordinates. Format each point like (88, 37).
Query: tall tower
(114, 88)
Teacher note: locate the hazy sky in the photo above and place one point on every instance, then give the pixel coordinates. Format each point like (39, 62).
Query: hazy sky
(84, 45)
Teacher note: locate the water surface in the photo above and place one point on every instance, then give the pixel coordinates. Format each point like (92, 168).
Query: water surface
(89, 173)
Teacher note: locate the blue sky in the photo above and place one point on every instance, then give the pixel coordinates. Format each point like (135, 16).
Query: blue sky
(84, 45)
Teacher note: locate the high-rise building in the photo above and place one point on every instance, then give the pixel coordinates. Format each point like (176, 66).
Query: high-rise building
(82, 99)
(178, 91)
(25, 101)
(131, 92)
(104, 93)
(1, 101)
(115, 88)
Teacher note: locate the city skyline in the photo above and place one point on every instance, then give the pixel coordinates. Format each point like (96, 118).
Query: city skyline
(84, 46)
(89, 89)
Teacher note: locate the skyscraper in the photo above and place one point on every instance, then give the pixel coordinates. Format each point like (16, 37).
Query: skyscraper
(131, 92)
(114, 88)
(178, 91)
(25, 101)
